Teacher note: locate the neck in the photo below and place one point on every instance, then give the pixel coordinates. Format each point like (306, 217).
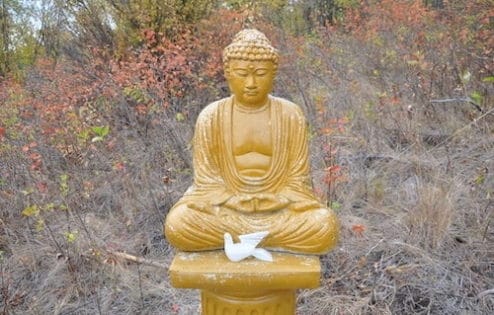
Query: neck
(250, 108)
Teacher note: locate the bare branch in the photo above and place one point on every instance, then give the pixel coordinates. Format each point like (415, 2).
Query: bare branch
(138, 260)
(462, 99)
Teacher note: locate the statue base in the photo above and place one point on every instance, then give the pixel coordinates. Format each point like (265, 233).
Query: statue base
(247, 287)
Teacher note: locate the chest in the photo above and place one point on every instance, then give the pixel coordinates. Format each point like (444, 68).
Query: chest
(251, 132)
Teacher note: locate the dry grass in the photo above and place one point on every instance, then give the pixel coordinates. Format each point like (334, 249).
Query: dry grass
(417, 179)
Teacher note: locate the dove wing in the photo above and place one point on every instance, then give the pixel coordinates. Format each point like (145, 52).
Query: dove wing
(253, 238)
(262, 254)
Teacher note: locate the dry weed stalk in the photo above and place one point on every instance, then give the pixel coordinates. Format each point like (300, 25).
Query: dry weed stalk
(429, 220)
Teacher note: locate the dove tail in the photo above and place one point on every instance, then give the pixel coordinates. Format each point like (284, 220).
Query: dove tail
(262, 254)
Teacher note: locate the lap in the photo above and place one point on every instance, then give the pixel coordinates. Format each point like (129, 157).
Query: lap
(307, 231)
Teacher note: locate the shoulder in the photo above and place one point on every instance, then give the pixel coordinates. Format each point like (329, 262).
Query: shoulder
(288, 107)
(290, 110)
(211, 110)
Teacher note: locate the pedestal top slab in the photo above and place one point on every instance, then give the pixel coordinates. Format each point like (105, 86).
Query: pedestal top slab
(213, 271)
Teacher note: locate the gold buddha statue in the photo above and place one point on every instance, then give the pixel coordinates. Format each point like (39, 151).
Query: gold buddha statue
(251, 165)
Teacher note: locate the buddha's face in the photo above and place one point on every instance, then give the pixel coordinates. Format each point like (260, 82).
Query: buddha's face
(250, 81)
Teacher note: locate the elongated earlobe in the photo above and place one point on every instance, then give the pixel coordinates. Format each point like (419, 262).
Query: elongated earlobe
(226, 71)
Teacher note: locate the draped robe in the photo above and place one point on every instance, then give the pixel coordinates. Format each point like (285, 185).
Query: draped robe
(216, 178)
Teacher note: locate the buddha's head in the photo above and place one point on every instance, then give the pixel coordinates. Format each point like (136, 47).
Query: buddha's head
(250, 64)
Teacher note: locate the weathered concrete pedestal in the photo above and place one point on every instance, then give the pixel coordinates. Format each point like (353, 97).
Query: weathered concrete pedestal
(248, 287)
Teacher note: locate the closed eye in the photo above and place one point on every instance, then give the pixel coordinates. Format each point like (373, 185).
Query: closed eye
(261, 72)
(241, 72)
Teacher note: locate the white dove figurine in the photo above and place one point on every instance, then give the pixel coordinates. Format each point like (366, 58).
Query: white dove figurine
(246, 247)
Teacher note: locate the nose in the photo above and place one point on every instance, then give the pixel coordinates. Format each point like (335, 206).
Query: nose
(251, 82)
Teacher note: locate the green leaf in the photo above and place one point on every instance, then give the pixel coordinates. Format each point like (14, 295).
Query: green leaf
(64, 178)
(40, 225)
(135, 94)
(180, 117)
(335, 205)
(101, 131)
(30, 211)
(488, 79)
(476, 97)
(64, 186)
(49, 206)
(83, 135)
(71, 236)
(480, 179)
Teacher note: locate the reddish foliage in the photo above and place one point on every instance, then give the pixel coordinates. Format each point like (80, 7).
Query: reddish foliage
(415, 26)
(42, 187)
(169, 69)
(61, 100)
(358, 229)
(119, 166)
(56, 93)
(333, 174)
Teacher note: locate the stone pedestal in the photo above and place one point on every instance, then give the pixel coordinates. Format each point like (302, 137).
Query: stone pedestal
(249, 287)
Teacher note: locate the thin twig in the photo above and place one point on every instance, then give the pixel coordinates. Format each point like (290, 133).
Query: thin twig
(484, 293)
(464, 99)
(138, 260)
(449, 100)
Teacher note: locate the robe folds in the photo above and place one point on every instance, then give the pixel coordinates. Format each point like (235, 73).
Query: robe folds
(199, 219)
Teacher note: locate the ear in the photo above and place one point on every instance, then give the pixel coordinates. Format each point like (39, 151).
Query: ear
(275, 70)
(226, 70)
